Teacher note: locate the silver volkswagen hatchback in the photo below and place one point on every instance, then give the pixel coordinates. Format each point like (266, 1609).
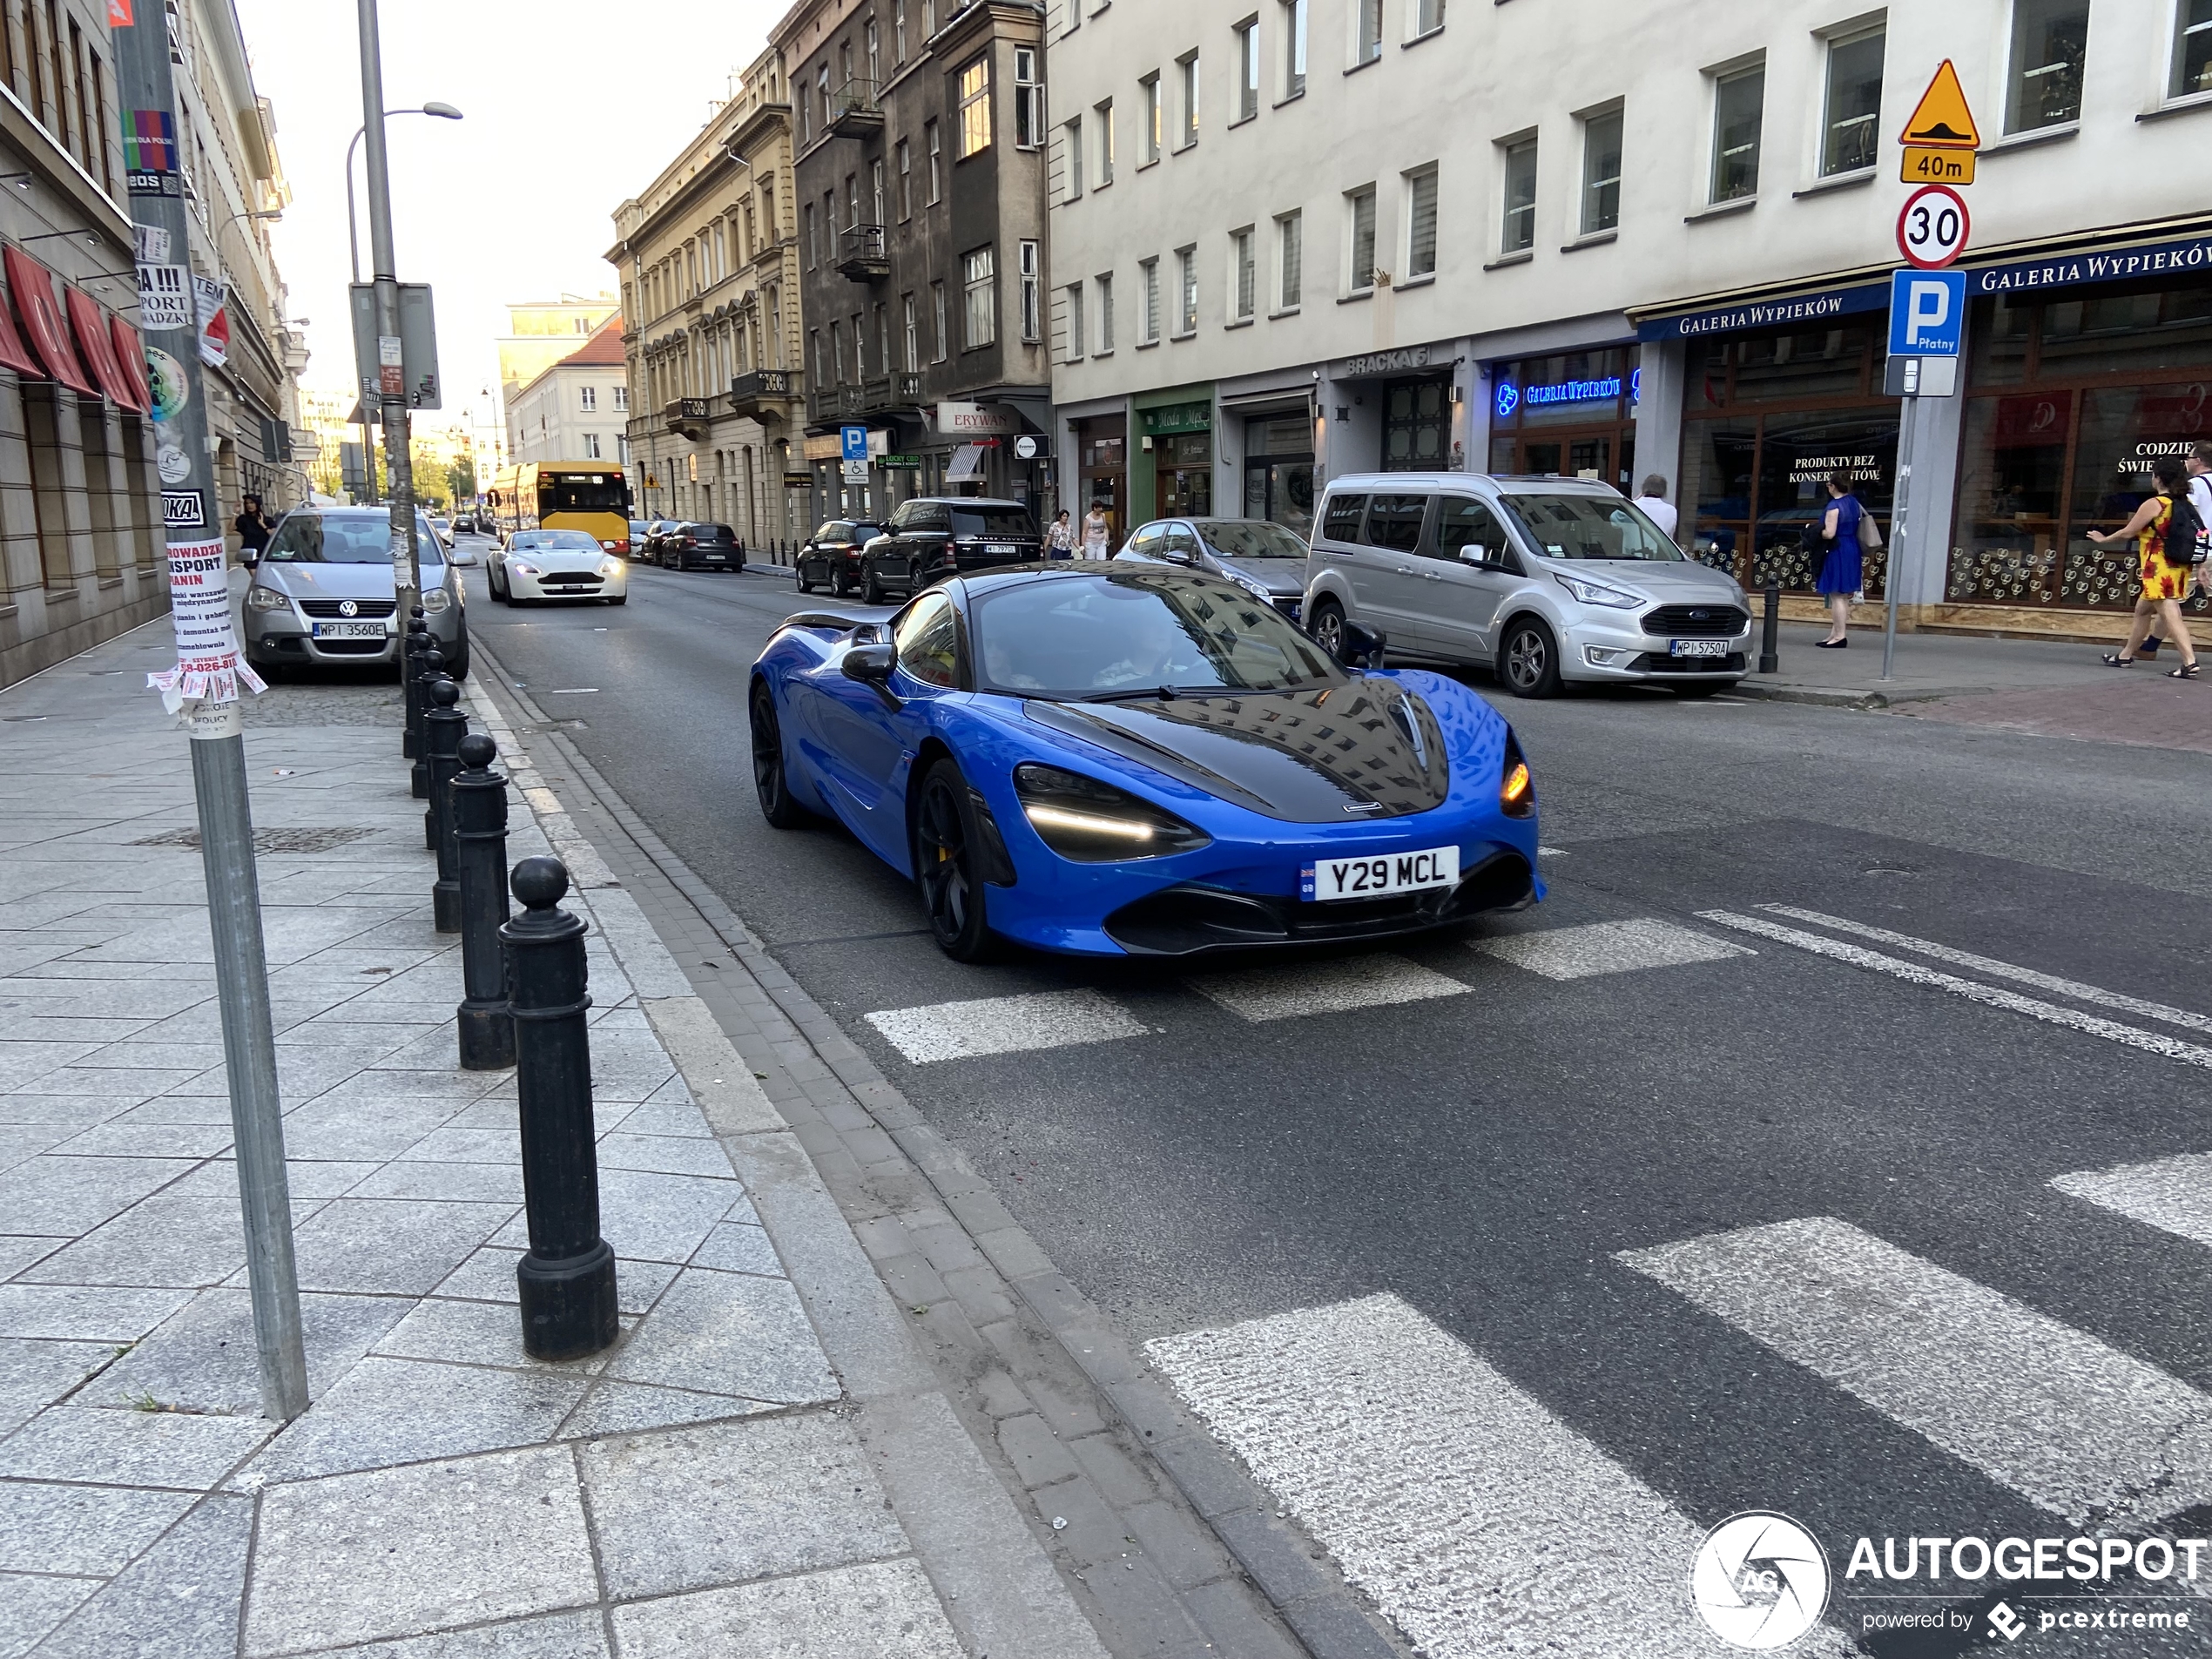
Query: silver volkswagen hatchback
(321, 595)
(1545, 580)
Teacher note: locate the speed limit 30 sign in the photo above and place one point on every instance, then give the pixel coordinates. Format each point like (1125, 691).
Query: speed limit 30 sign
(1933, 229)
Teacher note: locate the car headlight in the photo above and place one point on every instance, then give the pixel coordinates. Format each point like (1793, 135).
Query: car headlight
(1092, 822)
(1516, 789)
(435, 600)
(1255, 588)
(609, 567)
(1596, 593)
(518, 567)
(260, 598)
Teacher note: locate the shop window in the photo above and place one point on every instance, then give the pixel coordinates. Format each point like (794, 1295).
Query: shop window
(1999, 339)
(2192, 49)
(1851, 136)
(1518, 230)
(1739, 111)
(1601, 172)
(2050, 38)
(2012, 495)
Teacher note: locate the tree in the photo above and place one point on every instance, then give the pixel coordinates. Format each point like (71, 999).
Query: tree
(461, 477)
(432, 486)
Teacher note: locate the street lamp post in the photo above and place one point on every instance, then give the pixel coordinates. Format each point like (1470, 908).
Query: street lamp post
(443, 111)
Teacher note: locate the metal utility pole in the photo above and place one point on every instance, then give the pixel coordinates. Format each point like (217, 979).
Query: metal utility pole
(204, 689)
(407, 557)
(1894, 558)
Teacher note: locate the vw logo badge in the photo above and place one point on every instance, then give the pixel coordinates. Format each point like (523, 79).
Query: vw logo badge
(348, 608)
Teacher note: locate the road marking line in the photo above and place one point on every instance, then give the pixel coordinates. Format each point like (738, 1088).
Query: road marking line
(1480, 1523)
(2061, 1418)
(1991, 995)
(1989, 965)
(1264, 994)
(2174, 1194)
(1005, 1025)
(1608, 947)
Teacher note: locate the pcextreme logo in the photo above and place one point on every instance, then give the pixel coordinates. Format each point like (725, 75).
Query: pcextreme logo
(1759, 1581)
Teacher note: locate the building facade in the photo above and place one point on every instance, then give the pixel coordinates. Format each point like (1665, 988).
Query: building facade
(579, 408)
(1674, 260)
(920, 127)
(542, 332)
(710, 281)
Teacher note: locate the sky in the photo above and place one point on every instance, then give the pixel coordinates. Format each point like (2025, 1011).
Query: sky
(569, 109)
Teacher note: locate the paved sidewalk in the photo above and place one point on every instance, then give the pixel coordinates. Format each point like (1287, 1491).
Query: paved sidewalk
(709, 1485)
(1928, 665)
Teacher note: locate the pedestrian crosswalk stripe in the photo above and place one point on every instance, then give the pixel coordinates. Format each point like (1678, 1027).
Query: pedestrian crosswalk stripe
(1480, 1524)
(1608, 947)
(2051, 1411)
(2174, 1194)
(1303, 988)
(1005, 1025)
(1990, 995)
(1989, 965)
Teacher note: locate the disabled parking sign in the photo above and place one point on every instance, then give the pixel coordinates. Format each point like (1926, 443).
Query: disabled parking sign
(1927, 312)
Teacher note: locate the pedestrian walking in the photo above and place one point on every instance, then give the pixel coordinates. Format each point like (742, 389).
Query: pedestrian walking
(2165, 530)
(1656, 506)
(1096, 529)
(1060, 540)
(1841, 575)
(2198, 464)
(254, 529)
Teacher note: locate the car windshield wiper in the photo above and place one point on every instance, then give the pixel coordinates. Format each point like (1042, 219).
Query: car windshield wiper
(1129, 694)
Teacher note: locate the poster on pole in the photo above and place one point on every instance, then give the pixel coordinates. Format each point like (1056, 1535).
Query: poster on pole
(210, 667)
(209, 299)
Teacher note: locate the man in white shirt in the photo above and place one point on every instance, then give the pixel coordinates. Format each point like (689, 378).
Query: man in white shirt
(1656, 506)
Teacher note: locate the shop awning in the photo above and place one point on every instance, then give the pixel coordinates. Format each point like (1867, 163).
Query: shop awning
(967, 466)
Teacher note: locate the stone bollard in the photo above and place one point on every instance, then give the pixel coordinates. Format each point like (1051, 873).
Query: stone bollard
(567, 1278)
(416, 642)
(430, 666)
(1771, 631)
(477, 800)
(442, 729)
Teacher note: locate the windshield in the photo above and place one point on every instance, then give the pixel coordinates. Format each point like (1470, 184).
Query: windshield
(1134, 630)
(1251, 538)
(553, 542)
(994, 521)
(1590, 527)
(581, 492)
(305, 538)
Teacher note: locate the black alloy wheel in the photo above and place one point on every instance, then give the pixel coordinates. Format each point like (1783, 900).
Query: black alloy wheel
(769, 781)
(1328, 627)
(1528, 660)
(871, 589)
(805, 582)
(944, 842)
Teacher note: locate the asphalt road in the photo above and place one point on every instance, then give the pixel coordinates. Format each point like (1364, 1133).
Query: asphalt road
(1486, 1136)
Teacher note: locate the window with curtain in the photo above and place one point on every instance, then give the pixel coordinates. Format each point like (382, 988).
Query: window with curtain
(1290, 261)
(1421, 222)
(2050, 39)
(1600, 172)
(1738, 110)
(1242, 276)
(1186, 314)
(1359, 272)
(975, 108)
(979, 295)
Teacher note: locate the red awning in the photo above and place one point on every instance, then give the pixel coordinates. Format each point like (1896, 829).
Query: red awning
(130, 358)
(13, 352)
(93, 342)
(32, 284)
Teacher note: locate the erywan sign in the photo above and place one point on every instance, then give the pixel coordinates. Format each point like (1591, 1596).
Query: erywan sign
(32, 284)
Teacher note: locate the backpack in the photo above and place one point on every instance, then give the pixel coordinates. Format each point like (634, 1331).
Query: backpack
(2185, 534)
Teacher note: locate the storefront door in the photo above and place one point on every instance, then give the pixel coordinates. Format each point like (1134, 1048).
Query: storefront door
(1278, 470)
(1417, 424)
(1102, 457)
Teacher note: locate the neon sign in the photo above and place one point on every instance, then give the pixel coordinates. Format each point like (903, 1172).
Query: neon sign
(1603, 389)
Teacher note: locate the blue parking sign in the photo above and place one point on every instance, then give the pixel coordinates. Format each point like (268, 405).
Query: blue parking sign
(856, 440)
(1927, 312)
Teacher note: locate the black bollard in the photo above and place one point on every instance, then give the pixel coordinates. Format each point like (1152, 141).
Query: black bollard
(477, 801)
(1769, 636)
(442, 730)
(567, 1278)
(430, 666)
(412, 643)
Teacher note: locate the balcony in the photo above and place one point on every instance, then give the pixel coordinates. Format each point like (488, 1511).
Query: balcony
(853, 111)
(689, 415)
(763, 394)
(861, 254)
(901, 390)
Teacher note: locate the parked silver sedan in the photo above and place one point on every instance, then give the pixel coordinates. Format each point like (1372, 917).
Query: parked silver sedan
(322, 596)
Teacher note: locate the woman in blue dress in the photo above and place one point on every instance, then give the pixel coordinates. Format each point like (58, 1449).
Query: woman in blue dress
(1840, 576)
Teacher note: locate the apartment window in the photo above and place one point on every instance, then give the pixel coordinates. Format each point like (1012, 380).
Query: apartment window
(2192, 48)
(588, 399)
(1148, 137)
(1029, 99)
(1290, 261)
(1104, 122)
(852, 201)
(1148, 272)
(1293, 47)
(931, 142)
(975, 108)
(1105, 313)
(1600, 172)
(876, 190)
(591, 446)
(1738, 102)
(875, 64)
(821, 93)
(978, 296)
(1420, 223)
(937, 319)
(622, 400)
(1187, 78)
(837, 351)
(1186, 305)
(2049, 39)
(899, 32)
(1071, 161)
(860, 348)
(1242, 276)
(1031, 257)
(906, 180)
(1850, 134)
(1247, 69)
(809, 216)
(1370, 19)
(1073, 350)
(1360, 273)
(1518, 232)
(1428, 16)
(910, 328)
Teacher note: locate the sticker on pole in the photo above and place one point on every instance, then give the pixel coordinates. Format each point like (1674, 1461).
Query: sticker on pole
(209, 665)
(165, 298)
(183, 508)
(1931, 231)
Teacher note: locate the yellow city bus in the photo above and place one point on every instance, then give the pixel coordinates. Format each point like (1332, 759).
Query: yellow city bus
(587, 495)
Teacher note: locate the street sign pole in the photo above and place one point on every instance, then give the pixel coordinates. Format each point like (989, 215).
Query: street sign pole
(1899, 509)
(204, 689)
(391, 388)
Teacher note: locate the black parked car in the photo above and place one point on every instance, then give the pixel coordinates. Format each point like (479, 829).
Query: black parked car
(933, 536)
(831, 556)
(701, 547)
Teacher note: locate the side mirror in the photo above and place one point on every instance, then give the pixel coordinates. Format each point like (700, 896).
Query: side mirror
(251, 559)
(1474, 553)
(870, 664)
(1176, 556)
(1360, 647)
